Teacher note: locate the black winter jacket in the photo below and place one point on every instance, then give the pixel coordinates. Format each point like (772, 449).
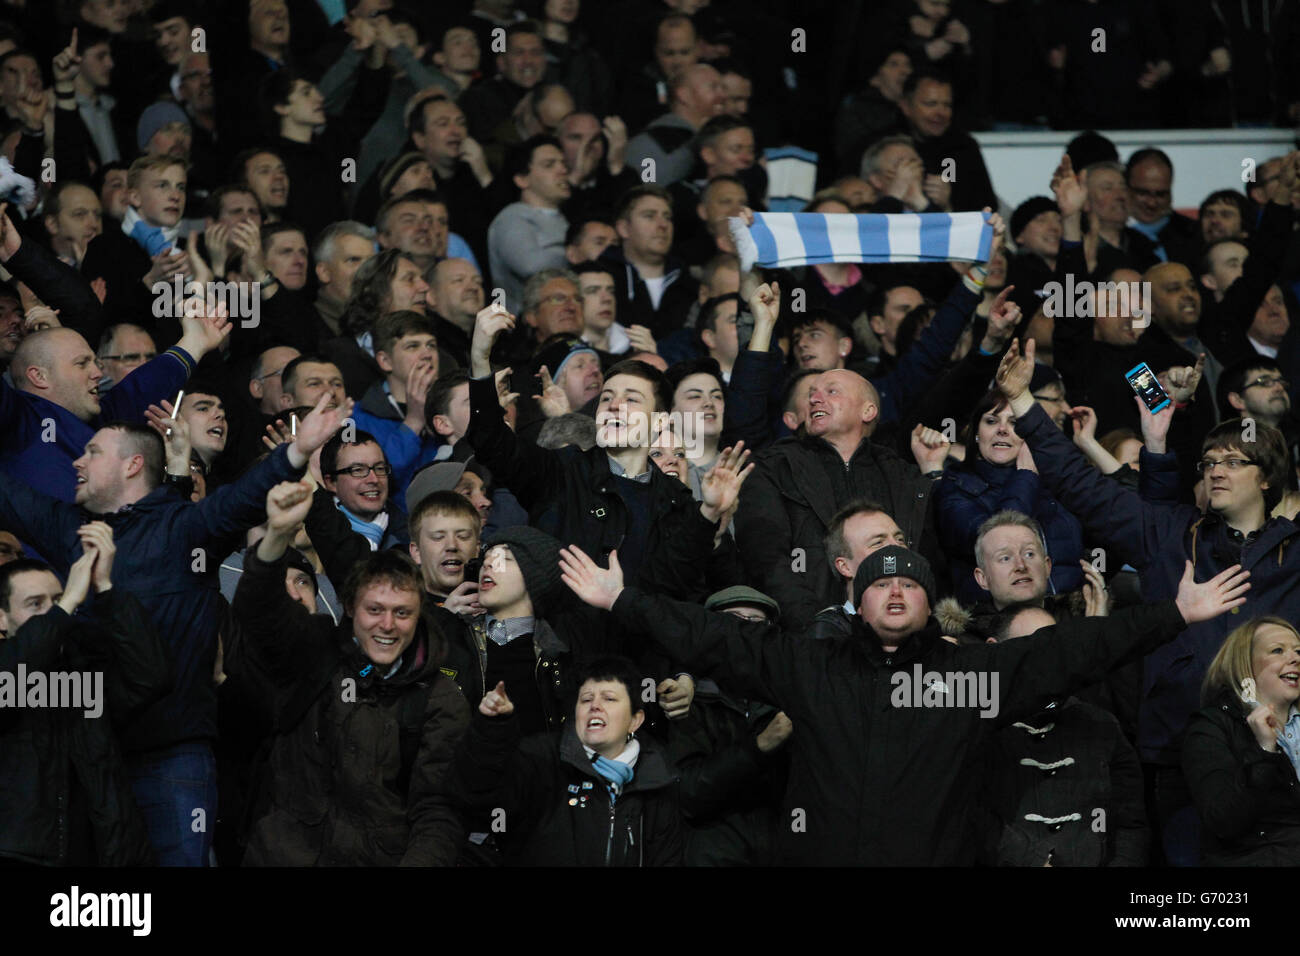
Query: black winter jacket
(570, 494)
(874, 778)
(787, 507)
(556, 807)
(358, 763)
(60, 769)
(1064, 784)
(1248, 798)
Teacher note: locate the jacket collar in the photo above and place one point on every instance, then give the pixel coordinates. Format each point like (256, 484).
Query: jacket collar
(651, 769)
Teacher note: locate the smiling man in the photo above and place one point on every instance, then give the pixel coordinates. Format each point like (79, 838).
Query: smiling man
(798, 487)
(376, 678)
(1243, 480)
(609, 496)
(356, 473)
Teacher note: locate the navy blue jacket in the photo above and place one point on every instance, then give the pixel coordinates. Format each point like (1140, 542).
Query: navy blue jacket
(161, 560)
(965, 497)
(1157, 540)
(40, 440)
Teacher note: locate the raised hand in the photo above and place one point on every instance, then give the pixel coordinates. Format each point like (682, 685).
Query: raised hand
(495, 703)
(175, 432)
(1096, 599)
(97, 536)
(1202, 602)
(594, 585)
(720, 488)
(41, 317)
(553, 401)
(1070, 191)
(937, 190)
(765, 304)
(1181, 381)
(77, 587)
(490, 322)
(166, 264)
(206, 332)
(417, 394)
(616, 133)
(1004, 316)
(319, 426)
(929, 448)
(1264, 724)
(642, 339)
(505, 397)
(675, 696)
(1016, 371)
(287, 505)
(217, 237)
(1085, 425)
(10, 239)
(247, 238)
(464, 600)
(67, 64)
(1155, 426)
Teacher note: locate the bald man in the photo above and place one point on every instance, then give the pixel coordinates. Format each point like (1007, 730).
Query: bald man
(697, 96)
(791, 500)
(54, 406)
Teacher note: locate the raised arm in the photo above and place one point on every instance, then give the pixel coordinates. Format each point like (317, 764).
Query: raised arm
(1111, 514)
(55, 283)
(1079, 651)
(532, 474)
(751, 659)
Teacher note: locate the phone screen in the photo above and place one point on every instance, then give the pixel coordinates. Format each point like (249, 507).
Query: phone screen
(1144, 382)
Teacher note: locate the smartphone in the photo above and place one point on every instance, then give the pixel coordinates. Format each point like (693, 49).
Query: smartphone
(1144, 382)
(472, 568)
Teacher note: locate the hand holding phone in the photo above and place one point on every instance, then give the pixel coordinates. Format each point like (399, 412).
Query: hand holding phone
(1147, 387)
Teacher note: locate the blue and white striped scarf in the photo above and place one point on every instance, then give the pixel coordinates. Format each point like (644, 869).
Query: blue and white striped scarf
(785, 239)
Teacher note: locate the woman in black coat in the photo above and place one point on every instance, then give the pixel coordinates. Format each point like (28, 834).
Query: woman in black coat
(1240, 750)
(592, 795)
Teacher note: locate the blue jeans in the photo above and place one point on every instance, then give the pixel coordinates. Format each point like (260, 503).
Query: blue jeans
(176, 791)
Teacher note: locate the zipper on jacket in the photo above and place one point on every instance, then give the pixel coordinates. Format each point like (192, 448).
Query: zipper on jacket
(609, 845)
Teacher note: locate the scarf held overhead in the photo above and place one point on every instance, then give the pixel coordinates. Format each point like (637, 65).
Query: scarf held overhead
(786, 239)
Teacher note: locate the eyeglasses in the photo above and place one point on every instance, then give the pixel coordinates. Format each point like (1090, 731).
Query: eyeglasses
(275, 374)
(560, 298)
(1232, 464)
(1266, 383)
(130, 357)
(381, 470)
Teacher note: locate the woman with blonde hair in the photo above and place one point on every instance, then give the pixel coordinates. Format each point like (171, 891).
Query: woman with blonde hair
(1241, 751)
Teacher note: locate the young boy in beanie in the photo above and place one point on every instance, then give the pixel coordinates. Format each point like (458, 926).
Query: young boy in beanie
(520, 577)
